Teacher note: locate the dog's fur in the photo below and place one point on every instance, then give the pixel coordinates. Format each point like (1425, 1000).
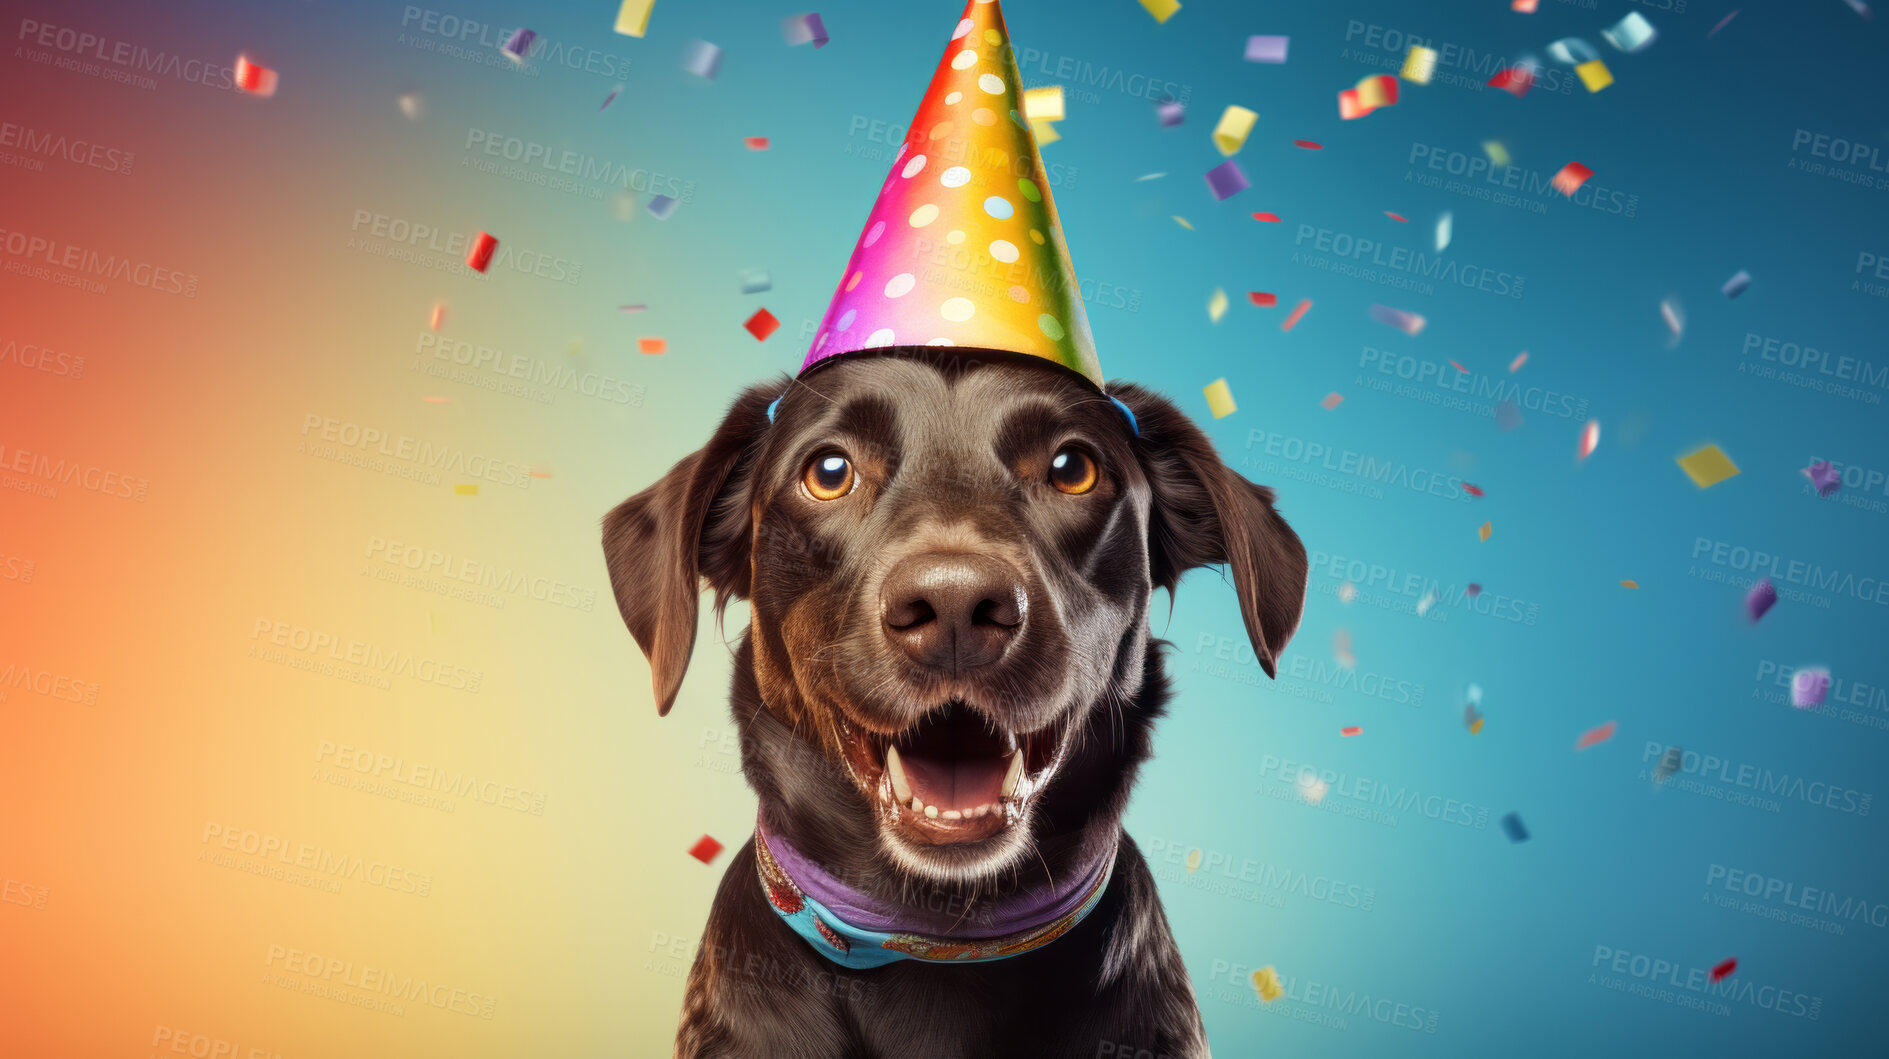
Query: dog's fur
(952, 451)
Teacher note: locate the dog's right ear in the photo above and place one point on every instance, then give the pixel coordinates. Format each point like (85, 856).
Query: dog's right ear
(694, 525)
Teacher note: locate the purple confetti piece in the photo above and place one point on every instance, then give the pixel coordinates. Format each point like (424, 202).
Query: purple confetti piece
(804, 29)
(607, 100)
(1508, 415)
(1171, 113)
(1473, 590)
(1808, 688)
(1409, 323)
(1823, 476)
(1226, 179)
(661, 207)
(518, 44)
(1263, 49)
(1736, 285)
(1761, 598)
(702, 59)
(1722, 21)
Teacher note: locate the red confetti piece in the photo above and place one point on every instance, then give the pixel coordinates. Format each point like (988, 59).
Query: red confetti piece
(761, 325)
(1724, 970)
(1308, 145)
(1459, 367)
(1351, 730)
(755, 143)
(1293, 320)
(1332, 400)
(705, 849)
(439, 315)
(1269, 218)
(1516, 81)
(1472, 490)
(1590, 438)
(254, 78)
(1526, 7)
(1516, 364)
(1571, 177)
(1597, 735)
(539, 473)
(481, 253)
(652, 346)
(1395, 217)
(1262, 299)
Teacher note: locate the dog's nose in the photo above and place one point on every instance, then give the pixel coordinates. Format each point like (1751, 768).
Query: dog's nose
(953, 610)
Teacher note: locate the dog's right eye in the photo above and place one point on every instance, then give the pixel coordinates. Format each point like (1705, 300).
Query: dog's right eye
(829, 477)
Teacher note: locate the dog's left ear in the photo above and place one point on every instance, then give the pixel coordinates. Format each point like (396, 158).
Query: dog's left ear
(1205, 513)
(694, 525)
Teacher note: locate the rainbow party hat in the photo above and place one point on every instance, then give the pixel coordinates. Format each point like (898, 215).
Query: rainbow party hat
(963, 247)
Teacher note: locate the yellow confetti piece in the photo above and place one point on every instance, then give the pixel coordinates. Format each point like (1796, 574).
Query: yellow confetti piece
(1045, 132)
(1162, 10)
(1419, 64)
(1219, 399)
(1217, 305)
(1193, 861)
(1498, 154)
(1266, 984)
(1235, 123)
(1594, 75)
(633, 17)
(1475, 726)
(1043, 104)
(466, 489)
(1182, 221)
(1487, 528)
(1707, 466)
(1629, 584)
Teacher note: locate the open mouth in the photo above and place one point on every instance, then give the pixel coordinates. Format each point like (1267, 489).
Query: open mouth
(955, 776)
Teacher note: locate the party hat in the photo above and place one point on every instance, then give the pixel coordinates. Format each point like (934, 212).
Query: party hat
(963, 247)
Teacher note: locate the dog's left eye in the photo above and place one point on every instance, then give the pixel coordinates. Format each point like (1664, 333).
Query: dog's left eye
(1073, 471)
(829, 477)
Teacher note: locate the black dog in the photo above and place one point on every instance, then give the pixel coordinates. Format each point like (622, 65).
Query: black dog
(949, 558)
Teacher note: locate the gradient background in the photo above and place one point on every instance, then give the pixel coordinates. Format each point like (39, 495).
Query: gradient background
(125, 929)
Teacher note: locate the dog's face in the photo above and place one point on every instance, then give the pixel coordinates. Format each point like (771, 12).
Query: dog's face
(948, 564)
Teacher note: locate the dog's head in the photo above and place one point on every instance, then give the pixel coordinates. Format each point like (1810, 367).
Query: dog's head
(948, 561)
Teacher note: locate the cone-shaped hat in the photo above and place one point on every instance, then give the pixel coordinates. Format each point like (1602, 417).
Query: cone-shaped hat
(963, 247)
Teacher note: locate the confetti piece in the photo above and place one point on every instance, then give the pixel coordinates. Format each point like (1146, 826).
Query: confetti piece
(633, 17)
(1823, 476)
(755, 143)
(1217, 305)
(631, 308)
(1516, 364)
(804, 29)
(1235, 123)
(1262, 299)
(1497, 154)
(661, 207)
(1707, 466)
(1459, 367)
(539, 472)
(1407, 322)
(1669, 763)
(480, 255)
(1808, 687)
(517, 47)
(1162, 10)
(702, 59)
(1595, 735)
(1722, 21)
(1475, 726)
(1149, 176)
(254, 78)
(1429, 600)
(1508, 415)
(1193, 861)
(1761, 598)
(1572, 50)
(1219, 399)
(1043, 104)
(755, 280)
(413, 105)
(466, 489)
(1445, 225)
(1590, 438)
(1419, 65)
(1526, 7)
(1341, 648)
(1264, 49)
(1629, 584)
(1473, 490)
(652, 346)
(1571, 177)
(1472, 718)
(1310, 145)
(1297, 313)
(1859, 7)
(1266, 218)
(1332, 400)
(1474, 694)
(705, 849)
(1171, 113)
(1515, 80)
(1472, 589)
(1512, 826)
(1594, 75)
(1351, 730)
(1266, 982)
(1736, 285)
(1347, 592)
(1311, 788)
(1485, 531)
(1675, 317)
(1226, 179)
(1631, 33)
(762, 324)
(1379, 90)
(607, 100)
(1045, 132)
(439, 315)
(1724, 970)
(1182, 221)
(1398, 217)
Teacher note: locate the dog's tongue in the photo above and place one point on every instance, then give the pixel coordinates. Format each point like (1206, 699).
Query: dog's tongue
(956, 783)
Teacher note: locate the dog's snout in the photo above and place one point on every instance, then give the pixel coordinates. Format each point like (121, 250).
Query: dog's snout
(953, 610)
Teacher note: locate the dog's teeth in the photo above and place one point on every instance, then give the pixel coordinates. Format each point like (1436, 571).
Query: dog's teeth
(931, 812)
(978, 813)
(901, 787)
(952, 814)
(917, 806)
(1014, 774)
